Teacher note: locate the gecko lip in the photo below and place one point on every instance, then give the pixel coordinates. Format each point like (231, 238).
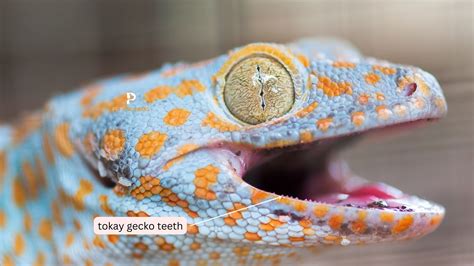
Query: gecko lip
(310, 172)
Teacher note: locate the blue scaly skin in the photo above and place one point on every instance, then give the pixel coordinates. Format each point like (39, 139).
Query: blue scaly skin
(181, 148)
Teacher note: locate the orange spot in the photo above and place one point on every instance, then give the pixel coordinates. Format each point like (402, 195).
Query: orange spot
(3, 166)
(186, 87)
(27, 222)
(69, 239)
(163, 245)
(306, 223)
(67, 260)
(382, 112)
(233, 217)
(56, 211)
(98, 242)
(120, 190)
(204, 178)
(216, 122)
(45, 229)
(31, 180)
(364, 99)
(137, 214)
(77, 225)
(296, 238)
(271, 225)
(387, 217)
(151, 186)
(141, 246)
(214, 255)
(18, 245)
(113, 239)
(63, 142)
(201, 262)
(324, 123)
(436, 220)
(258, 195)
(400, 110)
(40, 259)
(279, 143)
(308, 231)
(193, 229)
(303, 59)
(105, 206)
(342, 64)
(40, 174)
(3, 219)
(371, 78)
(7, 261)
(358, 118)
(384, 70)
(158, 93)
(86, 245)
(266, 227)
(173, 262)
(116, 104)
(403, 224)
(332, 88)
(285, 200)
(176, 117)
(299, 206)
(419, 103)
(48, 150)
(336, 221)
(252, 236)
(306, 110)
(320, 210)
(85, 188)
(332, 238)
(113, 143)
(242, 251)
(358, 226)
(306, 137)
(149, 144)
(19, 193)
(195, 246)
(440, 103)
(379, 96)
(137, 256)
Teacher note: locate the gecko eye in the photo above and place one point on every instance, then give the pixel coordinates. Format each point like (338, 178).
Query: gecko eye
(258, 89)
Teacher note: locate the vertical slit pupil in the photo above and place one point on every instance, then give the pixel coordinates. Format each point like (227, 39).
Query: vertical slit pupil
(262, 99)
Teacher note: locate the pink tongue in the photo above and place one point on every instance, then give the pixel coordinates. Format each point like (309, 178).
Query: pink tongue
(365, 195)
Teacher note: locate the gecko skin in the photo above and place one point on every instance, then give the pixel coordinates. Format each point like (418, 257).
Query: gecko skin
(204, 139)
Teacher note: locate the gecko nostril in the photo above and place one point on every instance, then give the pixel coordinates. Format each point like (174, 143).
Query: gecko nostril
(409, 89)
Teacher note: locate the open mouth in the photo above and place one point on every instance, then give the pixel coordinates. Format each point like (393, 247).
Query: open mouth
(311, 172)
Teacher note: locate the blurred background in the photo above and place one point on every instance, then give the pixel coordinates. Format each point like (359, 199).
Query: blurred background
(52, 46)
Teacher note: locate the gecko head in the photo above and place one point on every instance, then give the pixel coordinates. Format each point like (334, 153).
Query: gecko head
(262, 123)
(294, 110)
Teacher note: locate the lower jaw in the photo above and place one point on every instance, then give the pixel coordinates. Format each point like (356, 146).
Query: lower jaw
(339, 187)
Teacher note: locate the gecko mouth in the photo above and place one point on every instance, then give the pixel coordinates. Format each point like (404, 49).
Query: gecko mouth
(311, 172)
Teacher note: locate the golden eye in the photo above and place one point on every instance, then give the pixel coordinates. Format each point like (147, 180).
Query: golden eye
(258, 89)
